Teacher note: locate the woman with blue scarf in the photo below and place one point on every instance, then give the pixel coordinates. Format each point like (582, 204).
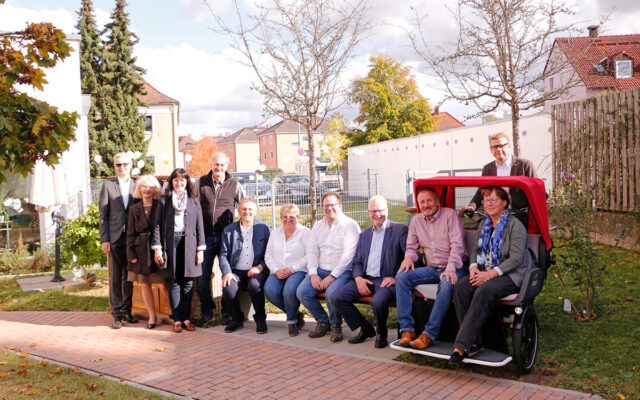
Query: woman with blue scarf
(499, 263)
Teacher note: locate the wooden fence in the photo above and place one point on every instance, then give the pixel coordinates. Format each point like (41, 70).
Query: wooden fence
(598, 140)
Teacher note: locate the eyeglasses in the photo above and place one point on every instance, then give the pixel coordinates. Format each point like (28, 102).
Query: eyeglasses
(374, 212)
(499, 146)
(125, 164)
(331, 205)
(490, 201)
(285, 217)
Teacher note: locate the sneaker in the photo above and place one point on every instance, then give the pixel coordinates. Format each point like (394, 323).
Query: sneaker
(407, 338)
(261, 327)
(293, 330)
(336, 333)
(475, 349)
(117, 323)
(205, 321)
(300, 323)
(321, 329)
(381, 341)
(456, 358)
(225, 319)
(233, 326)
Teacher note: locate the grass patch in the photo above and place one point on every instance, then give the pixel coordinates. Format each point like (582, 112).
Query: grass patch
(601, 356)
(84, 298)
(24, 378)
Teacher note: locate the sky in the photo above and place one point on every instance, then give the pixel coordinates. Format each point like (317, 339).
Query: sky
(186, 60)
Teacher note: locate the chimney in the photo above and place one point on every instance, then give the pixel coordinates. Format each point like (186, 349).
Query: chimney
(593, 31)
(227, 134)
(437, 111)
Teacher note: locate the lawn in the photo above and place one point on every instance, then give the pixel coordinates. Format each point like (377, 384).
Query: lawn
(22, 377)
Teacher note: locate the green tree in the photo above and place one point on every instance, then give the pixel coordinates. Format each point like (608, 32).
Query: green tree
(30, 129)
(119, 127)
(336, 141)
(390, 104)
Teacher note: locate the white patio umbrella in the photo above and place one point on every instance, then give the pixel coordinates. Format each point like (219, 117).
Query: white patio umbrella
(48, 187)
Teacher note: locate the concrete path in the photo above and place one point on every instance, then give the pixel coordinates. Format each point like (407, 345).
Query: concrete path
(211, 364)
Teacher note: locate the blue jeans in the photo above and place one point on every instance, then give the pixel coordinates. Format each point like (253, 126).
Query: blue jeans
(406, 281)
(307, 296)
(282, 294)
(204, 281)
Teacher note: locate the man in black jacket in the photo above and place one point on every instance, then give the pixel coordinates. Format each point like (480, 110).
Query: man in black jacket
(505, 164)
(219, 196)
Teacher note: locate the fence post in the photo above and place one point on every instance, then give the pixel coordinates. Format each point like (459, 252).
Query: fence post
(273, 206)
(368, 183)
(255, 181)
(411, 176)
(377, 185)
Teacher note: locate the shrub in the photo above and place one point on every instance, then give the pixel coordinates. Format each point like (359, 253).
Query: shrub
(81, 237)
(21, 261)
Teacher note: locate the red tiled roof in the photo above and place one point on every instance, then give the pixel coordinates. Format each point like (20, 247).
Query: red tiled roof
(584, 52)
(290, 126)
(244, 135)
(186, 144)
(153, 96)
(446, 121)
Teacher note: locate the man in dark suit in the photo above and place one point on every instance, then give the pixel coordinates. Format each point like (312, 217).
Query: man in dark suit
(505, 164)
(380, 251)
(116, 196)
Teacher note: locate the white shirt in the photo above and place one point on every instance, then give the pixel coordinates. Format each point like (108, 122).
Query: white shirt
(245, 259)
(282, 253)
(124, 190)
(504, 169)
(375, 251)
(331, 248)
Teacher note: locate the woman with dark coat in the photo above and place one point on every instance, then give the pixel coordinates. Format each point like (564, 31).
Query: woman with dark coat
(180, 232)
(142, 267)
(499, 263)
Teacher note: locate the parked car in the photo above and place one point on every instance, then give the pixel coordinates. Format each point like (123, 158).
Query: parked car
(248, 181)
(332, 180)
(295, 188)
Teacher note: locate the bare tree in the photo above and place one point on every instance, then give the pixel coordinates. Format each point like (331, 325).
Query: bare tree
(500, 55)
(298, 50)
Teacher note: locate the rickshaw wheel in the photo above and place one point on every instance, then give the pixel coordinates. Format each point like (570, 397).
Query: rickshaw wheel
(525, 342)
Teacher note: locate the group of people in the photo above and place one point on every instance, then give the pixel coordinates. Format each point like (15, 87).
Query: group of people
(169, 239)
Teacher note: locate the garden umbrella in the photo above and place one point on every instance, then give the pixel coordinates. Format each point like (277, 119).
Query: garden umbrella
(48, 187)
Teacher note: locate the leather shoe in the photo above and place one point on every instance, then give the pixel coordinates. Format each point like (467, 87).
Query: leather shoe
(293, 330)
(129, 318)
(366, 331)
(407, 337)
(422, 342)
(300, 323)
(261, 327)
(177, 327)
(117, 323)
(320, 330)
(381, 341)
(205, 321)
(225, 319)
(336, 333)
(151, 325)
(189, 326)
(233, 326)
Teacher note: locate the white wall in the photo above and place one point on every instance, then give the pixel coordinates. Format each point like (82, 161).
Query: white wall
(459, 148)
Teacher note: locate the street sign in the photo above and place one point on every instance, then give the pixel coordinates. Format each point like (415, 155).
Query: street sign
(300, 151)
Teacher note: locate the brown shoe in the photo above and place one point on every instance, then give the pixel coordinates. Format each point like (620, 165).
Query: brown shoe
(177, 327)
(189, 326)
(407, 337)
(422, 342)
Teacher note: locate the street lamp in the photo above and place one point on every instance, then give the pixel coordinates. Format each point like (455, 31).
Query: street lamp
(98, 159)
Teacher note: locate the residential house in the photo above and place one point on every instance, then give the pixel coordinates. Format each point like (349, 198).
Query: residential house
(598, 64)
(445, 121)
(285, 145)
(161, 116)
(243, 149)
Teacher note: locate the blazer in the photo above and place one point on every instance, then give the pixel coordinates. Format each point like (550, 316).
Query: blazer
(519, 167)
(113, 214)
(393, 248)
(231, 246)
(193, 235)
(140, 237)
(513, 255)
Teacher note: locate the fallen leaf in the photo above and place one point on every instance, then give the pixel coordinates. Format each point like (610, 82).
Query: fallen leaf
(628, 281)
(100, 374)
(96, 360)
(76, 370)
(12, 348)
(24, 372)
(91, 387)
(32, 345)
(43, 363)
(621, 396)
(160, 349)
(90, 302)
(122, 379)
(629, 298)
(32, 393)
(3, 363)
(23, 354)
(57, 370)
(4, 374)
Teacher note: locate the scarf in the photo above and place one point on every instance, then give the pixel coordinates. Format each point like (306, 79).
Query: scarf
(489, 242)
(179, 202)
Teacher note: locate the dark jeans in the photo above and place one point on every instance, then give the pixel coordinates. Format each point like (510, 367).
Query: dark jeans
(255, 286)
(120, 289)
(474, 304)
(181, 287)
(204, 281)
(344, 297)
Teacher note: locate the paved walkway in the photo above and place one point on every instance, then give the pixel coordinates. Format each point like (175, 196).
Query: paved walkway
(209, 364)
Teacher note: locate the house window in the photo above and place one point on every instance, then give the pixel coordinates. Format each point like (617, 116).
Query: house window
(270, 139)
(148, 125)
(264, 141)
(551, 83)
(272, 155)
(230, 160)
(624, 69)
(264, 155)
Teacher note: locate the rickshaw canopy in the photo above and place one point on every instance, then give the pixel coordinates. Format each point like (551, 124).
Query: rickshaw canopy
(533, 188)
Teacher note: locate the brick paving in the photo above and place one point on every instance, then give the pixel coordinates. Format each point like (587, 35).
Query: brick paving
(208, 364)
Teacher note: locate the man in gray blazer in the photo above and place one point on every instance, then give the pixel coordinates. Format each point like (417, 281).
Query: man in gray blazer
(116, 196)
(506, 164)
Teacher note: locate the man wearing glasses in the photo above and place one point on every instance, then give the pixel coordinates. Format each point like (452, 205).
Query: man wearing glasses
(330, 249)
(380, 251)
(116, 196)
(505, 165)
